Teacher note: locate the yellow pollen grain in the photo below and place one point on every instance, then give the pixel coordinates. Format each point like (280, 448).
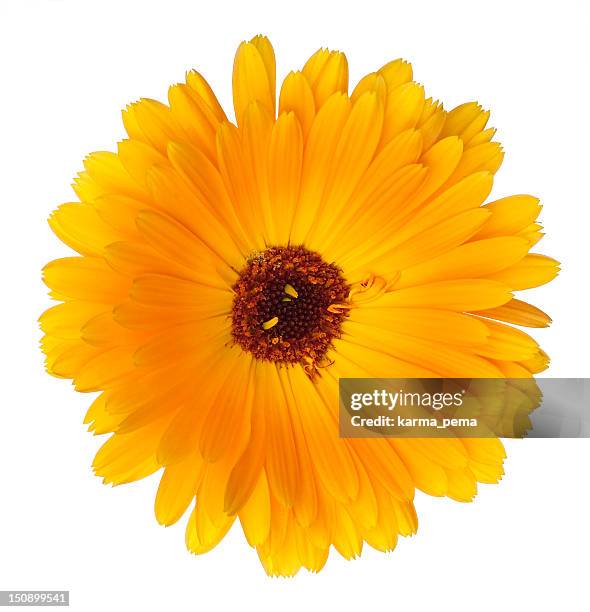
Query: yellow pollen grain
(290, 290)
(270, 323)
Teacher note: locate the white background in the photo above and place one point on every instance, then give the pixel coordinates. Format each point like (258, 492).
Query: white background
(68, 67)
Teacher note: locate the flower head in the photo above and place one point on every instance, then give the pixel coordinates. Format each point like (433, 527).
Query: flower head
(230, 273)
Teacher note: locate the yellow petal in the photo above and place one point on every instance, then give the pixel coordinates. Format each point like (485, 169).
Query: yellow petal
(518, 313)
(106, 369)
(374, 189)
(190, 112)
(347, 539)
(437, 242)
(383, 536)
(200, 202)
(80, 226)
(531, 271)
(200, 86)
(157, 123)
(239, 184)
(177, 243)
(85, 278)
(178, 486)
(66, 320)
(441, 160)
(305, 503)
(227, 422)
(462, 485)
(282, 468)
(65, 358)
(202, 534)
(371, 82)
(99, 419)
(438, 325)
(396, 73)
(386, 466)
(268, 57)
(138, 258)
(470, 260)
(180, 438)
(403, 110)
(120, 212)
(510, 215)
(128, 457)
(103, 330)
(431, 122)
(255, 513)
(467, 194)
(137, 158)
(257, 127)
(465, 121)
(296, 95)
(484, 157)
(458, 295)
(327, 73)
(353, 154)
(253, 79)
(447, 361)
(332, 459)
(427, 475)
(507, 343)
(364, 510)
(319, 152)
(110, 176)
(284, 173)
(245, 479)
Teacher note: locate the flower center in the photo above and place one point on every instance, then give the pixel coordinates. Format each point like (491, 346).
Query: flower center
(281, 306)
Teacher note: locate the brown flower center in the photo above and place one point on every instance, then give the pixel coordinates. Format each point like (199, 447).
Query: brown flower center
(281, 305)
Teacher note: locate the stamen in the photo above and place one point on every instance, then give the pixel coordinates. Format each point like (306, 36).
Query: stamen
(290, 290)
(270, 323)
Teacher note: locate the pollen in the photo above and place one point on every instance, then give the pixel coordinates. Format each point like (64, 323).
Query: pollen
(290, 290)
(270, 323)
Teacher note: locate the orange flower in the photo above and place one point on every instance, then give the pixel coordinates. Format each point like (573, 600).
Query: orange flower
(229, 274)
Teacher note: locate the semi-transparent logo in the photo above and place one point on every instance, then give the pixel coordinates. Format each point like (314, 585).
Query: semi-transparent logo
(467, 407)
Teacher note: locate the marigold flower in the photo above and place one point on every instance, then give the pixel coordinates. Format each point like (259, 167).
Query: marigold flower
(230, 273)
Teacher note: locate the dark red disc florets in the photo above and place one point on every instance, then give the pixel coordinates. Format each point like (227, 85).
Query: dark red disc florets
(281, 305)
